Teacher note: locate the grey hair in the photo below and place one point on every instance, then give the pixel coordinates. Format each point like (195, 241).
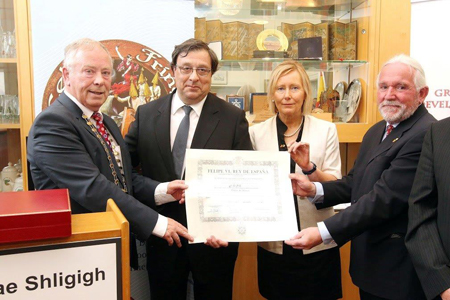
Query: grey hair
(413, 64)
(85, 43)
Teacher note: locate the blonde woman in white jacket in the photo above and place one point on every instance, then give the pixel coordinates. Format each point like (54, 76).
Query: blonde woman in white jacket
(284, 272)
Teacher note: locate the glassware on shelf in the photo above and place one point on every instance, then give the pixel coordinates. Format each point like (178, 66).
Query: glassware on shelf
(9, 175)
(6, 110)
(16, 109)
(9, 109)
(2, 107)
(1, 39)
(5, 44)
(12, 43)
(18, 166)
(18, 183)
(8, 44)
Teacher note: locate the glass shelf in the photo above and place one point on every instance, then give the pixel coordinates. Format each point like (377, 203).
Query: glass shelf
(290, 11)
(267, 64)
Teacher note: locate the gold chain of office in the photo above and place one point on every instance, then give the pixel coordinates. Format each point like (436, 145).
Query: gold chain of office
(105, 147)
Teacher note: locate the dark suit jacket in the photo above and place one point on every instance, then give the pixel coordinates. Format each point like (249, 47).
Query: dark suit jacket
(64, 153)
(428, 237)
(221, 126)
(378, 187)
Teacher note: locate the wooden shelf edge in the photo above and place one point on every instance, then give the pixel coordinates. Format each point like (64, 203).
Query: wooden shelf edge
(9, 126)
(8, 60)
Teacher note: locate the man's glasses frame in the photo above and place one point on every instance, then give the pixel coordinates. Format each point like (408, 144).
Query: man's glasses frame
(188, 70)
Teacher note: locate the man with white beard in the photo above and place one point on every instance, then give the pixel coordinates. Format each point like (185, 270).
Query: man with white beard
(378, 189)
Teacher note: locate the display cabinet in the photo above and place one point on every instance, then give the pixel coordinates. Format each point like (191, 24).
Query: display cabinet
(15, 84)
(382, 30)
(253, 36)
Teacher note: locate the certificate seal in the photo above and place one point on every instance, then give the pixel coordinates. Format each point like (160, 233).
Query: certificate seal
(242, 229)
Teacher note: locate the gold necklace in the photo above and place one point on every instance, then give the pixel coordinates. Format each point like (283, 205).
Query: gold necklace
(292, 134)
(108, 155)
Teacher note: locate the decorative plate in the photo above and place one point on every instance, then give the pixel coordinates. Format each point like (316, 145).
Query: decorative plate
(341, 87)
(353, 95)
(272, 39)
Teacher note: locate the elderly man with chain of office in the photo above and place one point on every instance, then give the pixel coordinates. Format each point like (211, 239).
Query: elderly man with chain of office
(71, 145)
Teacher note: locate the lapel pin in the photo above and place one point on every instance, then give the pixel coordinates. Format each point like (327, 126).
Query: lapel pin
(394, 140)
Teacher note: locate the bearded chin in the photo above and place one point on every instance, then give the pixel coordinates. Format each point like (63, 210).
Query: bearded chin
(398, 115)
(392, 116)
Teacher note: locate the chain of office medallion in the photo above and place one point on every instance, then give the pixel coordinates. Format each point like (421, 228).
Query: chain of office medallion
(105, 147)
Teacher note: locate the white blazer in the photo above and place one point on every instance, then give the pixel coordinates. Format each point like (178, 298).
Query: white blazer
(324, 152)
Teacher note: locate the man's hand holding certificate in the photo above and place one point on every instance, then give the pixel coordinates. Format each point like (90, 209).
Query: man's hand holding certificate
(239, 196)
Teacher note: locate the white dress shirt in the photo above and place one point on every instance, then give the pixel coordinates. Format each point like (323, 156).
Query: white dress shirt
(176, 115)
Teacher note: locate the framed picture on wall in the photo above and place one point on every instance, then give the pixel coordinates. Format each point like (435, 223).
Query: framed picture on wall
(257, 102)
(238, 101)
(219, 78)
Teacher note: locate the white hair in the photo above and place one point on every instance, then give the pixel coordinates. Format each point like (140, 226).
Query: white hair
(85, 43)
(413, 64)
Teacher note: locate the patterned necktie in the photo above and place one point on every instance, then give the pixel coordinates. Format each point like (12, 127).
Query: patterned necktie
(389, 129)
(179, 145)
(101, 128)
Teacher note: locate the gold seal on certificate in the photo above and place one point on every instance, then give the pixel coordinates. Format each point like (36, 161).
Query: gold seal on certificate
(239, 196)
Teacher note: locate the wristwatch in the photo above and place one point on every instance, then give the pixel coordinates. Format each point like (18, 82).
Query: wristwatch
(314, 168)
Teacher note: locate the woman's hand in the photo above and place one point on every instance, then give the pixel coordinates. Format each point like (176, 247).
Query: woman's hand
(300, 154)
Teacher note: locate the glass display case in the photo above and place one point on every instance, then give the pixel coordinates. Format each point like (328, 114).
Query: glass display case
(329, 37)
(12, 105)
(10, 146)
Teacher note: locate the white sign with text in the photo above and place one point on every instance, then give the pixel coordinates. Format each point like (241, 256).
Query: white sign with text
(70, 271)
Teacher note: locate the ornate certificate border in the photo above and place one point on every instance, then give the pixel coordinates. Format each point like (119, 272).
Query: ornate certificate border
(238, 161)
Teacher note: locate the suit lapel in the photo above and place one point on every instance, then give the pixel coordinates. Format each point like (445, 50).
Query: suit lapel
(76, 111)
(396, 133)
(207, 123)
(378, 147)
(162, 131)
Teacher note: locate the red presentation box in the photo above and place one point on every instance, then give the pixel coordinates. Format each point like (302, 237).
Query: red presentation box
(34, 215)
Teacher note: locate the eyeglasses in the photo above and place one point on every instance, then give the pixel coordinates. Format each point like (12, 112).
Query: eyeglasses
(292, 90)
(189, 70)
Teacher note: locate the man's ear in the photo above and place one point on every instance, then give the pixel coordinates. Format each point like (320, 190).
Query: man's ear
(65, 73)
(423, 93)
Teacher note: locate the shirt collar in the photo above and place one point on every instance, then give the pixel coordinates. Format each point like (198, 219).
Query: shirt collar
(394, 125)
(177, 104)
(83, 108)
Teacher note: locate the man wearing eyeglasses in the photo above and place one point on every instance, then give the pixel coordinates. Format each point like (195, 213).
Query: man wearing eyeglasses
(189, 117)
